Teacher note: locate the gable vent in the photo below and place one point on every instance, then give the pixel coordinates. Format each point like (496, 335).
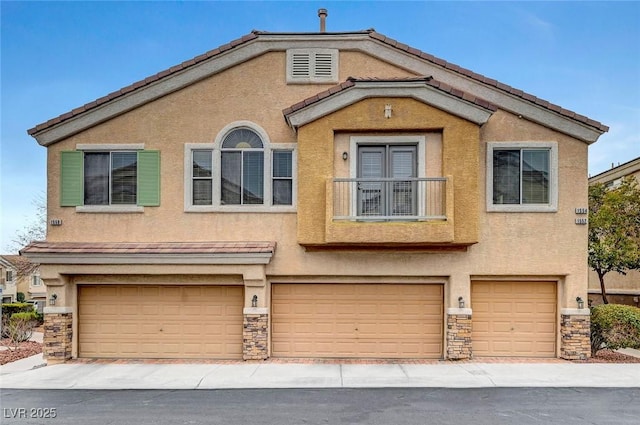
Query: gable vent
(312, 66)
(301, 65)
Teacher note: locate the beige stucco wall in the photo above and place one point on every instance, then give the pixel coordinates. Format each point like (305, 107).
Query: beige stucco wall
(508, 245)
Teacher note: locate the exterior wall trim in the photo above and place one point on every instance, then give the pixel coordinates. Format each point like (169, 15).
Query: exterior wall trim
(459, 311)
(575, 312)
(57, 310)
(418, 91)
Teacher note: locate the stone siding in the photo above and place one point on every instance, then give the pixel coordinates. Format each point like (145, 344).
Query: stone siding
(58, 333)
(459, 337)
(254, 336)
(576, 337)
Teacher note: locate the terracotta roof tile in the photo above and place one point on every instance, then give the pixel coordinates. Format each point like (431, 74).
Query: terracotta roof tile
(140, 84)
(149, 248)
(255, 34)
(351, 81)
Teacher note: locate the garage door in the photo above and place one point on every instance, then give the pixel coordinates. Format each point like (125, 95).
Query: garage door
(514, 319)
(374, 321)
(151, 321)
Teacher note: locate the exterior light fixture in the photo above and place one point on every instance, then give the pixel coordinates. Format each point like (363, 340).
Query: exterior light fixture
(580, 302)
(345, 155)
(254, 301)
(52, 299)
(387, 111)
(460, 302)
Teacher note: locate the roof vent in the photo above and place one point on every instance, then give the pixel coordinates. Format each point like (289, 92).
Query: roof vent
(322, 14)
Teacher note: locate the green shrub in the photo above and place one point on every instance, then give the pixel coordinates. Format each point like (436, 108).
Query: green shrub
(20, 297)
(20, 326)
(9, 310)
(614, 326)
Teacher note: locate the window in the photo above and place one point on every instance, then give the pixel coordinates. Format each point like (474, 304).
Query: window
(95, 178)
(242, 168)
(282, 178)
(240, 171)
(9, 276)
(202, 175)
(312, 66)
(388, 180)
(382, 186)
(36, 281)
(110, 178)
(522, 176)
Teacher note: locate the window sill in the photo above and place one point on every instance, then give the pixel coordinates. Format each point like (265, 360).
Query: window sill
(518, 208)
(274, 209)
(109, 209)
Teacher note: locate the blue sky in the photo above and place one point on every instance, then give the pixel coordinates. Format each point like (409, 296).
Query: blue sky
(56, 56)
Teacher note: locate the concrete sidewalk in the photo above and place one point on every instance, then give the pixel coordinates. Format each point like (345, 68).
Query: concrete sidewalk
(298, 375)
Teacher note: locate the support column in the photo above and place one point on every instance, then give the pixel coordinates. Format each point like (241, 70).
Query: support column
(255, 333)
(255, 326)
(459, 334)
(58, 334)
(575, 330)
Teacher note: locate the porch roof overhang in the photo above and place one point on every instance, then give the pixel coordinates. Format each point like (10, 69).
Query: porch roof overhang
(150, 253)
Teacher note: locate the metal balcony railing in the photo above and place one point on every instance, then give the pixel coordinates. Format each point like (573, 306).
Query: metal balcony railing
(389, 199)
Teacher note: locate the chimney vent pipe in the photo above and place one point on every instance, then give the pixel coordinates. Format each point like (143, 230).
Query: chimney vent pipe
(322, 14)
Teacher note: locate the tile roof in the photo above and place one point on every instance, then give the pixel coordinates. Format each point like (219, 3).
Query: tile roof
(490, 82)
(150, 248)
(23, 265)
(352, 81)
(371, 33)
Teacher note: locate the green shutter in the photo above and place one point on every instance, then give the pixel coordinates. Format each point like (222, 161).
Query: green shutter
(71, 180)
(149, 178)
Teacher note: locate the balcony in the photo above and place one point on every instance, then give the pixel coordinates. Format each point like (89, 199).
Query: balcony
(390, 199)
(406, 212)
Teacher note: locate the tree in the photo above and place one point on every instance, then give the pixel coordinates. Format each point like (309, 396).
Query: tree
(34, 230)
(614, 229)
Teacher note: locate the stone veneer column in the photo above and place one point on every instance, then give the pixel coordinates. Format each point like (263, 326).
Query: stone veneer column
(575, 330)
(255, 332)
(459, 334)
(58, 334)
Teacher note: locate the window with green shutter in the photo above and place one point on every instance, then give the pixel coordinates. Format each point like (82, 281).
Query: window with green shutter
(99, 178)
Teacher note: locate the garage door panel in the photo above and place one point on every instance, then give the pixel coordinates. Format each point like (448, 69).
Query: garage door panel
(157, 321)
(333, 320)
(514, 319)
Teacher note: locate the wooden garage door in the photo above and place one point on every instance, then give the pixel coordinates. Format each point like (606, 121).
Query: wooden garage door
(340, 320)
(151, 321)
(514, 319)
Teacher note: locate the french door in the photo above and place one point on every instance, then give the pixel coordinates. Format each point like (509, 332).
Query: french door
(386, 180)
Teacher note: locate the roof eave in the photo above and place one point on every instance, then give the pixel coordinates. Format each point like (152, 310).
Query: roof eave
(406, 89)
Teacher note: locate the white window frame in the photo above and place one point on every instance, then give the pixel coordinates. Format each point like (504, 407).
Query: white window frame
(34, 277)
(552, 205)
(419, 141)
(312, 77)
(9, 276)
(216, 152)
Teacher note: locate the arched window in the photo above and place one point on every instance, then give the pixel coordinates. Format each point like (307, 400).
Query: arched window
(242, 168)
(240, 171)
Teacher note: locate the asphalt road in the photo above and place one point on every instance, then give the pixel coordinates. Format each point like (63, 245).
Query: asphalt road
(478, 406)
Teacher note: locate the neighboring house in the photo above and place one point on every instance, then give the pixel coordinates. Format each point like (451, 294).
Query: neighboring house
(8, 281)
(621, 289)
(258, 201)
(26, 279)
